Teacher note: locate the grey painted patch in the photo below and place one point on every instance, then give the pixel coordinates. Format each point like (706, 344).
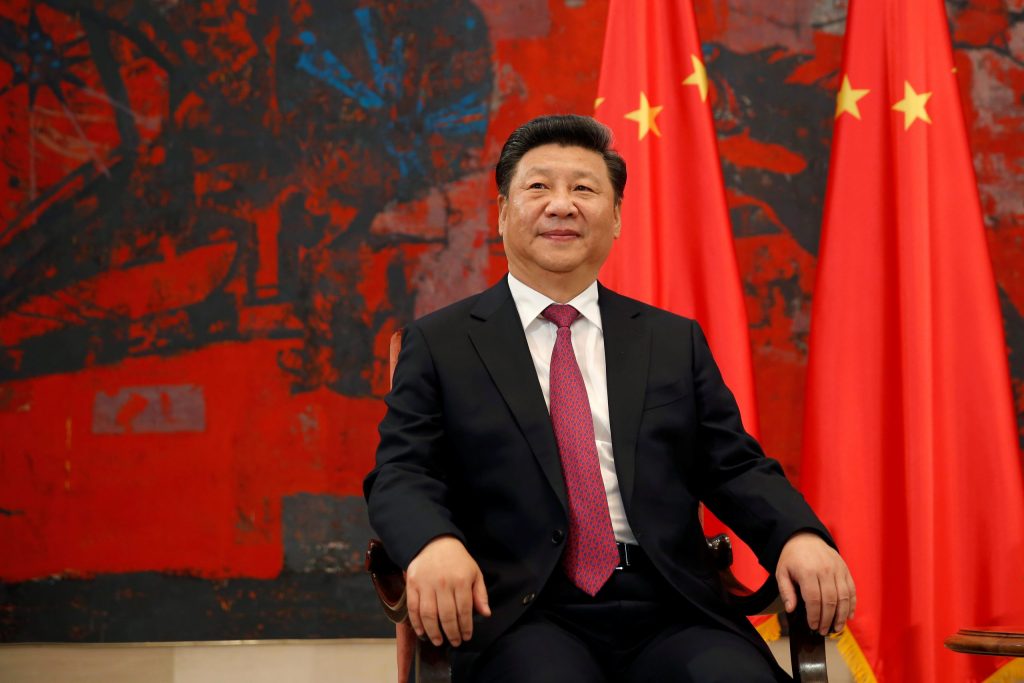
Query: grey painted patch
(158, 409)
(516, 20)
(324, 534)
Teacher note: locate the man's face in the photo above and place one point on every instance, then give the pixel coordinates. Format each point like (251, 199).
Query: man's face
(560, 217)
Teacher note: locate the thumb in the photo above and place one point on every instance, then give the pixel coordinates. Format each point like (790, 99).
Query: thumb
(786, 590)
(480, 595)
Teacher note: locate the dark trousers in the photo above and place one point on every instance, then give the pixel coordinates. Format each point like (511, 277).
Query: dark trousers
(632, 631)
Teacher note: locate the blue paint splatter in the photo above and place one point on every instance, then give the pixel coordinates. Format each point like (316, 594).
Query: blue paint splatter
(336, 74)
(465, 116)
(387, 78)
(468, 114)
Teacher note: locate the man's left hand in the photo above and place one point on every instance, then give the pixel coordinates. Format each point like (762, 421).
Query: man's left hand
(823, 578)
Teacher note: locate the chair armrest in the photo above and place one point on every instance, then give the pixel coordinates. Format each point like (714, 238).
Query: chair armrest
(388, 580)
(806, 647)
(765, 600)
(419, 661)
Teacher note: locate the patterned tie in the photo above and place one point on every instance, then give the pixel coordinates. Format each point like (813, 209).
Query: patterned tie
(591, 555)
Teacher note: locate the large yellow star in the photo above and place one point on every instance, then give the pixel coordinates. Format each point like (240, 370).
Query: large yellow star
(846, 100)
(699, 78)
(912, 106)
(645, 116)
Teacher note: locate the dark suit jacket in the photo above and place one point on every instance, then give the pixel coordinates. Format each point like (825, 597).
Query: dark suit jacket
(467, 449)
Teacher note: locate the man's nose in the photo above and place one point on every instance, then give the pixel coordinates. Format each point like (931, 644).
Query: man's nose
(561, 205)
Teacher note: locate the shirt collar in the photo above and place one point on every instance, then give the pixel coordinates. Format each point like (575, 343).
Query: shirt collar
(530, 303)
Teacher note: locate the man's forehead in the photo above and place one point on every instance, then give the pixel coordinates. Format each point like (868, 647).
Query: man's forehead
(550, 158)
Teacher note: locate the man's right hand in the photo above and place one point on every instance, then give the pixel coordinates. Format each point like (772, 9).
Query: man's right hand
(443, 586)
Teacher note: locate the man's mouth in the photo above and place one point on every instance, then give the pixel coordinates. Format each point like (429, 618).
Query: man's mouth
(560, 235)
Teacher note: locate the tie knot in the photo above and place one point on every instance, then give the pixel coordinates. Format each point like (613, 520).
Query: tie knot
(562, 315)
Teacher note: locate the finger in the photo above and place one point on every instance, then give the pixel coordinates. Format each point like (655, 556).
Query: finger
(843, 606)
(853, 595)
(786, 591)
(810, 591)
(480, 596)
(428, 614)
(448, 614)
(829, 602)
(412, 597)
(847, 597)
(464, 613)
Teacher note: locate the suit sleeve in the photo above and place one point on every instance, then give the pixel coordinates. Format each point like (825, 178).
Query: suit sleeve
(407, 492)
(748, 491)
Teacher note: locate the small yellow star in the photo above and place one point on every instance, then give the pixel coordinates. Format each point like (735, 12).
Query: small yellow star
(598, 101)
(645, 116)
(699, 78)
(912, 106)
(846, 100)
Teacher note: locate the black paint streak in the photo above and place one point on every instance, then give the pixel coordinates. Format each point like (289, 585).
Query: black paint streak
(757, 98)
(149, 606)
(324, 533)
(1013, 325)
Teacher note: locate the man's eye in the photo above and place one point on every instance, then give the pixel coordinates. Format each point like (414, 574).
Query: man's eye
(583, 188)
(537, 186)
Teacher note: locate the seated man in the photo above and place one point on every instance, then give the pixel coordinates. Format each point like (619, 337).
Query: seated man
(545, 448)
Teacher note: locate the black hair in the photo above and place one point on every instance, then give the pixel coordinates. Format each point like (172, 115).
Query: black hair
(567, 130)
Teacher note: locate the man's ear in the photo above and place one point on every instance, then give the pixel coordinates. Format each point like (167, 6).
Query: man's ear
(617, 230)
(502, 210)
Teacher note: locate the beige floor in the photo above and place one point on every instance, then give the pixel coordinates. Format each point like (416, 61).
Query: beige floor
(322, 661)
(303, 661)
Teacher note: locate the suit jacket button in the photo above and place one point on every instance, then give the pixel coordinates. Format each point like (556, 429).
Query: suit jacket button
(528, 598)
(557, 536)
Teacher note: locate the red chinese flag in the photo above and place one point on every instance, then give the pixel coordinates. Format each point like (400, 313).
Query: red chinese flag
(676, 250)
(910, 446)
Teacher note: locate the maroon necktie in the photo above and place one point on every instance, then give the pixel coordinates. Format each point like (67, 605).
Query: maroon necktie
(591, 555)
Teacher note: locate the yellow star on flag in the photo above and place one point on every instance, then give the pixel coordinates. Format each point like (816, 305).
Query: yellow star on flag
(912, 106)
(598, 101)
(699, 78)
(846, 100)
(645, 116)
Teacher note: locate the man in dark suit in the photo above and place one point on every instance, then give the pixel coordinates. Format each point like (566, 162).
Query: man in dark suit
(546, 446)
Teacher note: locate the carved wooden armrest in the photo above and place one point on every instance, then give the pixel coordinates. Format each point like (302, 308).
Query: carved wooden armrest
(388, 580)
(419, 660)
(806, 647)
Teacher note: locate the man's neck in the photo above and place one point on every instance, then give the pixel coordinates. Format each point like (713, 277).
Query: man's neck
(559, 288)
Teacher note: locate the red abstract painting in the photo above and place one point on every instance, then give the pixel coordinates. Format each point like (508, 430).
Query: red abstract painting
(214, 214)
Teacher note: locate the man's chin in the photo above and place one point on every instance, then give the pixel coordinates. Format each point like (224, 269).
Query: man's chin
(560, 259)
(560, 268)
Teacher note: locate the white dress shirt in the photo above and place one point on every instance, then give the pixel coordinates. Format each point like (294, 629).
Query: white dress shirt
(588, 344)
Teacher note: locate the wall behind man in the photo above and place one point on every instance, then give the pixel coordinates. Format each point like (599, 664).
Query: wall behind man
(213, 215)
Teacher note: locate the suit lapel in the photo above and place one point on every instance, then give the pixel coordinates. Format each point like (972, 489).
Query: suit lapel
(627, 355)
(501, 342)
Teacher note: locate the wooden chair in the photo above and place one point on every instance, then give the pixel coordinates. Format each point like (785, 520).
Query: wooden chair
(419, 661)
